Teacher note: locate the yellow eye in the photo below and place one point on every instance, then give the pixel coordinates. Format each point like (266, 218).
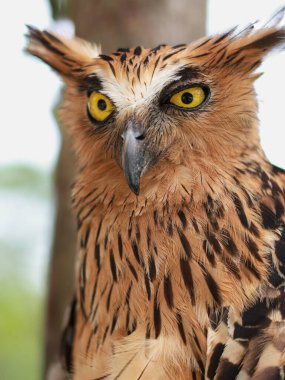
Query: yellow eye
(189, 98)
(99, 106)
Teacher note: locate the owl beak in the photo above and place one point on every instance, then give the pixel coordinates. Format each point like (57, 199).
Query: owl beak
(133, 153)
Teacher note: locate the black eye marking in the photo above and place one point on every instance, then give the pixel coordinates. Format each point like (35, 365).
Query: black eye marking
(90, 83)
(102, 105)
(187, 98)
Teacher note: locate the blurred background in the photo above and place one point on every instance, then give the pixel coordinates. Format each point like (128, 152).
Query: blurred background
(37, 243)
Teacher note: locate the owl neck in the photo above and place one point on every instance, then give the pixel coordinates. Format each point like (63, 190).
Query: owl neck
(169, 182)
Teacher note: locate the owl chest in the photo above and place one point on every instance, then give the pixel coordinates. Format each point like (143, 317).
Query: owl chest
(157, 278)
(147, 276)
(139, 276)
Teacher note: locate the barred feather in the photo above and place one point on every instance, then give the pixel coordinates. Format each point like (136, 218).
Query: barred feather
(186, 280)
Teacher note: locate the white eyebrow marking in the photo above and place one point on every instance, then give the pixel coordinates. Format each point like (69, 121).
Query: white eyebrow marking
(126, 95)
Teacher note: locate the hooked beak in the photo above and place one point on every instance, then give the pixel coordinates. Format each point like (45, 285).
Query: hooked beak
(135, 156)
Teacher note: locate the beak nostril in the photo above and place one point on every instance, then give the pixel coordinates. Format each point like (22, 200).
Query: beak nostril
(140, 137)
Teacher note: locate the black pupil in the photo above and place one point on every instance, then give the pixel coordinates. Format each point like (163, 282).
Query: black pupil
(187, 98)
(102, 105)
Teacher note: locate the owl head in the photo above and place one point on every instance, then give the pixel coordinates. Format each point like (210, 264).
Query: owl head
(138, 114)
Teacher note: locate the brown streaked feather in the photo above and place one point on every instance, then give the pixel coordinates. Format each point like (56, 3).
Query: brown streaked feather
(186, 280)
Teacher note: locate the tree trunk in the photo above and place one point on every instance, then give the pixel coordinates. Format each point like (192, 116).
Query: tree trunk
(62, 261)
(129, 23)
(113, 24)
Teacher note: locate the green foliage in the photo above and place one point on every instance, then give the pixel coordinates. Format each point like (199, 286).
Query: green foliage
(25, 178)
(21, 333)
(60, 8)
(21, 299)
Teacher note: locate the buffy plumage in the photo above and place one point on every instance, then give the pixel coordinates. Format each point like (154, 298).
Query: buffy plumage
(181, 243)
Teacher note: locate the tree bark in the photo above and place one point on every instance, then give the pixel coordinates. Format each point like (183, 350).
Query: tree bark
(113, 24)
(129, 23)
(62, 260)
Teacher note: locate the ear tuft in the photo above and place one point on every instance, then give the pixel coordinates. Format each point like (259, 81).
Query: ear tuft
(242, 51)
(276, 19)
(250, 50)
(265, 40)
(63, 55)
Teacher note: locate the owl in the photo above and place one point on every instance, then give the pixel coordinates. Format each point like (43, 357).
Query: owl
(180, 269)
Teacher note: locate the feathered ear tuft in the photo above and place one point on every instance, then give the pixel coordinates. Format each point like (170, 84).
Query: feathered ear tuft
(268, 41)
(276, 18)
(250, 50)
(67, 57)
(242, 51)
